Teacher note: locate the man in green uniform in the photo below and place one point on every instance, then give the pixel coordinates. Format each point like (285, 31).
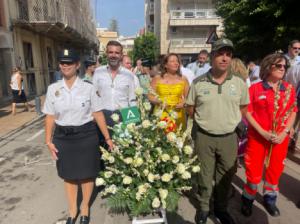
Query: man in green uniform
(216, 101)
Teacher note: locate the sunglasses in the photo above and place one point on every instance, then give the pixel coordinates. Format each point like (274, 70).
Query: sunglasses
(66, 63)
(280, 66)
(296, 48)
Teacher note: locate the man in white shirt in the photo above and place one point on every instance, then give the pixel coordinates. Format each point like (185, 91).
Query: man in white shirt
(200, 66)
(114, 83)
(253, 72)
(126, 62)
(293, 52)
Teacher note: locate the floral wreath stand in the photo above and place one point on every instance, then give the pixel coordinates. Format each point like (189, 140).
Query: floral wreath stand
(163, 219)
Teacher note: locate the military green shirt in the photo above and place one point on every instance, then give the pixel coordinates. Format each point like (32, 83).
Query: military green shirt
(217, 106)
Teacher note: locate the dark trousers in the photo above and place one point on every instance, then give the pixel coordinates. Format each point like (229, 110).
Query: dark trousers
(217, 156)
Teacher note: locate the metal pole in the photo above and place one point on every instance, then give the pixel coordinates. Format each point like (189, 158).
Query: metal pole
(37, 101)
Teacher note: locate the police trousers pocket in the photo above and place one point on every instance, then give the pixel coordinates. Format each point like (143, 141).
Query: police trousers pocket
(241, 130)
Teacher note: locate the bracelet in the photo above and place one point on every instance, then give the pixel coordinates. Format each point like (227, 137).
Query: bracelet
(48, 143)
(107, 139)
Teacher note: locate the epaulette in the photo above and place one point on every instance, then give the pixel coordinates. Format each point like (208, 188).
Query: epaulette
(88, 81)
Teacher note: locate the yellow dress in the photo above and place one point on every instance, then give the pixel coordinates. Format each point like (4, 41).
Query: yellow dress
(171, 95)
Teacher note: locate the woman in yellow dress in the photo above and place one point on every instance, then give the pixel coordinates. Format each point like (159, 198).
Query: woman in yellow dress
(171, 89)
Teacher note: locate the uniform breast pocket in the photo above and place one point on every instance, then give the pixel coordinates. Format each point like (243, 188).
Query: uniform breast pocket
(82, 103)
(260, 101)
(59, 105)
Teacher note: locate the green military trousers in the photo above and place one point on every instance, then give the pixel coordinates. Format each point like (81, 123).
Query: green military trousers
(217, 156)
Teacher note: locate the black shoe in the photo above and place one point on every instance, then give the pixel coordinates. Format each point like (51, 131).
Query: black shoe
(270, 205)
(201, 217)
(224, 217)
(84, 220)
(272, 209)
(246, 208)
(70, 220)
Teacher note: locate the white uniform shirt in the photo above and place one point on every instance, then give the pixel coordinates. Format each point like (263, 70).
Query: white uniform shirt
(115, 93)
(72, 107)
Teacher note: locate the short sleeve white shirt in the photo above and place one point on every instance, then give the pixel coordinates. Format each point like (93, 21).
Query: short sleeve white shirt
(74, 106)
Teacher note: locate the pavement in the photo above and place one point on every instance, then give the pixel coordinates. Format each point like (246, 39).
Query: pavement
(10, 123)
(31, 192)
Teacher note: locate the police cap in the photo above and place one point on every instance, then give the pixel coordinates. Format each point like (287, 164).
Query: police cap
(90, 61)
(68, 55)
(221, 43)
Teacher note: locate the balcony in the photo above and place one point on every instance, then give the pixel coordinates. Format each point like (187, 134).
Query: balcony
(188, 45)
(57, 20)
(194, 17)
(151, 8)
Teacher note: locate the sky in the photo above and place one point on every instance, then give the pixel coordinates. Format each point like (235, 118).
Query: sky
(128, 13)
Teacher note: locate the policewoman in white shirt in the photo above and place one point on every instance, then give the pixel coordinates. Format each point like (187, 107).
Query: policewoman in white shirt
(71, 107)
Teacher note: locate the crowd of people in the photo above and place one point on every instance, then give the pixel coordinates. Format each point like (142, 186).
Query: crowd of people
(217, 91)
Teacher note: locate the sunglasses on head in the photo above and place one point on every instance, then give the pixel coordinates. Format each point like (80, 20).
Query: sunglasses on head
(280, 66)
(66, 62)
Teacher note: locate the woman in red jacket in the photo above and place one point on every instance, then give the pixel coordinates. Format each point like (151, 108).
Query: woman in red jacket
(271, 114)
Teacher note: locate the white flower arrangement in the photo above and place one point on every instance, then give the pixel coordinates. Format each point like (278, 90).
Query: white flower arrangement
(150, 166)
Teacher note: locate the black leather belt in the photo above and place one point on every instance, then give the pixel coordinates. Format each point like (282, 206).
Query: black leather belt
(72, 130)
(210, 134)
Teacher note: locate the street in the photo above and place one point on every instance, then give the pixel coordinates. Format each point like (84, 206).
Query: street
(32, 193)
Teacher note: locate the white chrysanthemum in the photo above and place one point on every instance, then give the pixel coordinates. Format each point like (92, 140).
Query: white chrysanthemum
(175, 159)
(156, 202)
(196, 169)
(111, 159)
(188, 150)
(108, 174)
(166, 177)
(146, 172)
(138, 162)
(115, 117)
(128, 160)
(100, 182)
(112, 189)
(180, 168)
(171, 136)
(127, 180)
(131, 127)
(163, 193)
(186, 175)
(150, 177)
(138, 196)
(105, 156)
(162, 124)
(142, 189)
(146, 124)
(165, 157)
(139, 91)
(158, 149)
(147, 106)
(179, 142)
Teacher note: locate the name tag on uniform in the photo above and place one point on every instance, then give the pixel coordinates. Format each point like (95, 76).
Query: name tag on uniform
(130, 115)
(261, 97)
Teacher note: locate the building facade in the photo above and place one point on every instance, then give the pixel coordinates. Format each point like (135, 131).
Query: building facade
(35, 30)
(104, 36)
(182, 26)
(127, 43)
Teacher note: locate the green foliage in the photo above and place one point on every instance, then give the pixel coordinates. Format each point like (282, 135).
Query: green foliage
(172, 200)
(145, 46)
(117, 202)
(259, 27)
